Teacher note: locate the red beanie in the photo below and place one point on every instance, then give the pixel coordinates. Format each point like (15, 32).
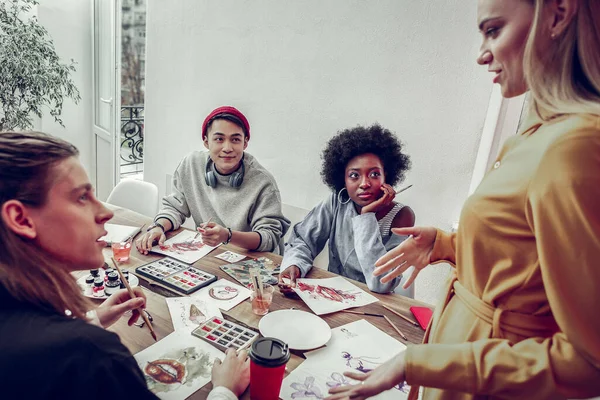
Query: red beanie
(226, 110)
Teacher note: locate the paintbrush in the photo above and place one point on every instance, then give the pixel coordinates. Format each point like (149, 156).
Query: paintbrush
(402, 190)
(203, 226)
(130, 237)
(395, 327)
(256, 282)
(363, 313)
(133, 296)
(400, 315)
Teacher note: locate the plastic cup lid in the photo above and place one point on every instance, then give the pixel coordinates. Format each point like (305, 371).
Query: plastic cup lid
(269, 352)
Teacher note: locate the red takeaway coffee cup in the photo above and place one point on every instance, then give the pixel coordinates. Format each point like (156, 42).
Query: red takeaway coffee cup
(268, 357)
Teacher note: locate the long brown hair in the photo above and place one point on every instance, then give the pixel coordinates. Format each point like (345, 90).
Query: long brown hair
(27, 160)
(565, 78)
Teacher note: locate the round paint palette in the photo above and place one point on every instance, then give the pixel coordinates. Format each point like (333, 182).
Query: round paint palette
(133, 282)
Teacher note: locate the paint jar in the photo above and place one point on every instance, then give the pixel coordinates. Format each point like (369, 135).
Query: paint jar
(107, 272)
(98, 287)
(88, 290)
(126, 276)
(121, 251)
(112, 284)
(261, 304)
(268, 357)
(95, 273)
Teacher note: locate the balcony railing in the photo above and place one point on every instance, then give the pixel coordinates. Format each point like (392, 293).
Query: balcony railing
(132, 140)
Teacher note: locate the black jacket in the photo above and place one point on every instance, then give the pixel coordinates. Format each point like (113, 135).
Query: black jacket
(48, 356)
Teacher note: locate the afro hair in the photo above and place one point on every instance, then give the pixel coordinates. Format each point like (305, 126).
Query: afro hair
(349, 143)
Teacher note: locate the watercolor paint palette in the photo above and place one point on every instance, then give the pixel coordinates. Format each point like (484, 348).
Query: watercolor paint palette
(224, 334)
(176, 275)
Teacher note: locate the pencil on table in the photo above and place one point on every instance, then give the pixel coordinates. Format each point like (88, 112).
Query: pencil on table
(400, 315)
(402, 190)
(362, 313)
(133, 296)
(395, 327)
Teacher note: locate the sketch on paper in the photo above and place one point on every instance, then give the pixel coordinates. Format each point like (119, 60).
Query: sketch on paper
(223, 294)
(337, 380)
(367, 364)
(240, 271)
(230, 256)
(184, 247)
(177, 366)
(187, 313)
(332, 294)
(348, 333)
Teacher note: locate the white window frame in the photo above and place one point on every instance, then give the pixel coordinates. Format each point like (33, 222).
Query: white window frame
(501, 122)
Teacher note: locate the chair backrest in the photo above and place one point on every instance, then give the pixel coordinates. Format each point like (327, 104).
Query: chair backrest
(295, 215)
(136, 195)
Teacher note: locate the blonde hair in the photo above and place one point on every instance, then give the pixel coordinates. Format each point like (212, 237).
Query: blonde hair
(565, 78)
(28, 273)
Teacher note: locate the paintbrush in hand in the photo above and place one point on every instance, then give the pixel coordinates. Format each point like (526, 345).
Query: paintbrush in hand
(203, 225)
(133, 296)
(402, 190)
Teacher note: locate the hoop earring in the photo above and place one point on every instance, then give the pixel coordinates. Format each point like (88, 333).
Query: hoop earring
(339, 196)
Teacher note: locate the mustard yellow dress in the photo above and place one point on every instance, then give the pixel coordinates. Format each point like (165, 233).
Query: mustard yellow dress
(521, 318)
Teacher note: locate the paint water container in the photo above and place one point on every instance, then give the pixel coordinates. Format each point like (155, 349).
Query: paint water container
(268, 358)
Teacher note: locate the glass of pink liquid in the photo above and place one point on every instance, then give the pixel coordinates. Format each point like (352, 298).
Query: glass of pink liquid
(261, 304)
(121, 251)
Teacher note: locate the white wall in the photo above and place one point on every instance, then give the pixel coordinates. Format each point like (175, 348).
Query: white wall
(302, 70)
(69, 24)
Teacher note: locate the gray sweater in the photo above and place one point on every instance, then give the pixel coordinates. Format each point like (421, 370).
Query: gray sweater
(255, 206)
(355, 243)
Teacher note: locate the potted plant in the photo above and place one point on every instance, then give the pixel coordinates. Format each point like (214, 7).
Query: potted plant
(31, 74)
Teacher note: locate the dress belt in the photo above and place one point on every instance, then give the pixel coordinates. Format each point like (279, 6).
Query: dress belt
(525, 325)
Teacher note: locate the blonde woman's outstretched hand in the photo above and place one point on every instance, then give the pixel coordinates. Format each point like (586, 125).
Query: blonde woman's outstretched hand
(414, 251)
(382, 378)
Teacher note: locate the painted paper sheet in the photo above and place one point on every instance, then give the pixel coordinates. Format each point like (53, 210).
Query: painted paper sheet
(177, 366)
(184, 247)
(230, 256)
(187, 313)
(329, 295)
(224, 294)
(240, 271)
(358, 346)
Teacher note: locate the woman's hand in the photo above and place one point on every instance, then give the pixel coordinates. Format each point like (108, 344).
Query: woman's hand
(292, 273)
(382, 378)
(233, 372)
(414, 251)
(119, 303)
(213, 234)
(385, 200)
(145, 243)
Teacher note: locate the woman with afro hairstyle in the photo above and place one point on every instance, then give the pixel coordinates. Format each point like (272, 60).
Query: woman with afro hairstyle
(360, 165)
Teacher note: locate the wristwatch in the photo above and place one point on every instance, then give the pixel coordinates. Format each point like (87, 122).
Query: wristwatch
(154, 225)
(228, 236)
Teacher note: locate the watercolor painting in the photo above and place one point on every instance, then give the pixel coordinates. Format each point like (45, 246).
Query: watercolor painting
(230, 256)
(188, 313)
(329, 295)
(268, 269)
(184, 247)
(177, 366)
(223, 294)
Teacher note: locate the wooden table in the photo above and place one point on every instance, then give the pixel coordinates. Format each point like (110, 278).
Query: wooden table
(137, 339)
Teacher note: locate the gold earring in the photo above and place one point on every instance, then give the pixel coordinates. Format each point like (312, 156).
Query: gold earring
(553, 36)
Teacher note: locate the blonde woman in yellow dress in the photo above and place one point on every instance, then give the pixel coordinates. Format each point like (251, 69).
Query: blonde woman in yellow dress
(520, 319)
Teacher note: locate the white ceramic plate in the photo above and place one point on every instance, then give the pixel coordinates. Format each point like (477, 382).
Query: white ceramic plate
(301, 330)
(133, 282)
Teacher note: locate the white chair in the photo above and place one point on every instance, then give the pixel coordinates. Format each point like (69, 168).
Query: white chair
(135, 195)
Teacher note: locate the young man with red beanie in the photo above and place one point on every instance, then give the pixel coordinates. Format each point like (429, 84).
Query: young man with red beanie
(227, 186)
